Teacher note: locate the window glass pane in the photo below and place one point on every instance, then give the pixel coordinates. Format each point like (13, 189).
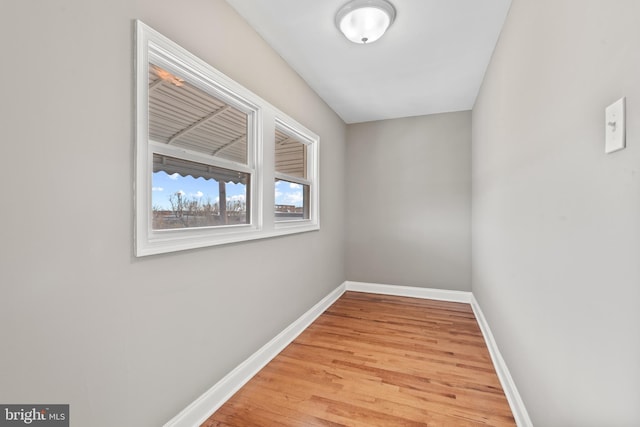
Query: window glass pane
(291, 155)
(185, 116)
(292, 201)
(187, 194)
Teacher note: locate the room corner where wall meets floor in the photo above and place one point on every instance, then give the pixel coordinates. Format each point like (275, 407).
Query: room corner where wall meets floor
(202, 408)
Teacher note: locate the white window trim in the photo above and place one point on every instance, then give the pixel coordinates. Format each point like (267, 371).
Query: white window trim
(260, 161)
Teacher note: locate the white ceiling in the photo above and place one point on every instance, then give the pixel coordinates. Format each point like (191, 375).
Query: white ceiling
(431, 60)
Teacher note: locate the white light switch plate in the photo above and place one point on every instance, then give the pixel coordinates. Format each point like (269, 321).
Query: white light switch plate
(615, 126)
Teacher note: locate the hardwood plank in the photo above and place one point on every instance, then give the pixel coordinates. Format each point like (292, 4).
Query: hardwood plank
(377, 360)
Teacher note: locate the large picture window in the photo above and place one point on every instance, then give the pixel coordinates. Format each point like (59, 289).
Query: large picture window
(201, 177)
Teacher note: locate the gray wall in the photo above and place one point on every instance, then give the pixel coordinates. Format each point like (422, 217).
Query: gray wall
(126, 341)
(556, 222)
(409, 204)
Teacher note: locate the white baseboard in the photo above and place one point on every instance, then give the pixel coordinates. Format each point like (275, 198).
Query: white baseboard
(202, 408)
(515, 401)
(410, 291)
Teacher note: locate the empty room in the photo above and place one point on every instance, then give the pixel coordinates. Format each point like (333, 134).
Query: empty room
(320, 213)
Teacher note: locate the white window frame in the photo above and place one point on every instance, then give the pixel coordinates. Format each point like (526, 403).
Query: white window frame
(262, 120)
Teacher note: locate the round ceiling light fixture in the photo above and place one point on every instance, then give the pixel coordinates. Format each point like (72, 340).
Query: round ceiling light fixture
(365, 21)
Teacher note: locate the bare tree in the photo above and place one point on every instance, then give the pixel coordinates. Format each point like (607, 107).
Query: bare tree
(179, 207)
(194, 212)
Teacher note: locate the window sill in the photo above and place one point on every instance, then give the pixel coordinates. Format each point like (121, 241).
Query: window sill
(165, 241)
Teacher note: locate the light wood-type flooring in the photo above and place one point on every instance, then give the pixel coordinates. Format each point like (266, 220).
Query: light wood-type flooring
(377, 360)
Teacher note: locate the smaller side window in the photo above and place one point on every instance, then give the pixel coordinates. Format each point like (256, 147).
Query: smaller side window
(295, 174)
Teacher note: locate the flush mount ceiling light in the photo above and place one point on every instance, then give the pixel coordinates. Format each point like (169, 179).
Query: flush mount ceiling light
(365, 21)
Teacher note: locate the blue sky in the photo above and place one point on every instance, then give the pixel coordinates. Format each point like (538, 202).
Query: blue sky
(288, 193)
(164, 185)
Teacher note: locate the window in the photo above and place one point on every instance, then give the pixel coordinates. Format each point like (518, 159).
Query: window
(209, 192)
(292, 186)
(201, 178)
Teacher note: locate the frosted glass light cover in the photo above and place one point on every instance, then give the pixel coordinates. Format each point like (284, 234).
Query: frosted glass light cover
(364, 25)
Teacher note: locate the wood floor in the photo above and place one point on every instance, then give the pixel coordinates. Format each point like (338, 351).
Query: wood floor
(376, 360)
